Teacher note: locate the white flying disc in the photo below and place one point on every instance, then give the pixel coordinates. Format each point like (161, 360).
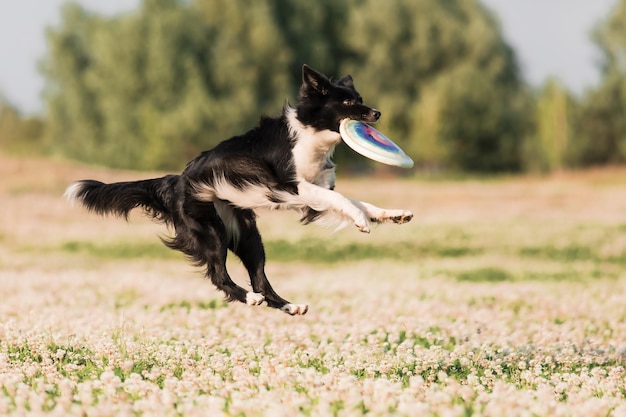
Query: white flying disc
(372, 144)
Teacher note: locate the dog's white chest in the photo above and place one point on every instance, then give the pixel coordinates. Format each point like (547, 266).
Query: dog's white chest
(312, 152)
(312, 155)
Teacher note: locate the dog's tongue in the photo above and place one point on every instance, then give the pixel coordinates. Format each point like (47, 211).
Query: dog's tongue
(372, 144)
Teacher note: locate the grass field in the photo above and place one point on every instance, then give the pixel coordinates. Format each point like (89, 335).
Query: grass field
(502, 297)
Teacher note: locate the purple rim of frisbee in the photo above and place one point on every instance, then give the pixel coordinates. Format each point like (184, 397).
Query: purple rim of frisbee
(372, 144)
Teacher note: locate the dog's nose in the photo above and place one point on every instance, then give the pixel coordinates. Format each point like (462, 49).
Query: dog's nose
(376, 114)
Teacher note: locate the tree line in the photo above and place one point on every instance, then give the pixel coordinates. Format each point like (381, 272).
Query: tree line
(152, 88)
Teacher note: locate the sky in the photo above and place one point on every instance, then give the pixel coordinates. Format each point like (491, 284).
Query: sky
(550, 38)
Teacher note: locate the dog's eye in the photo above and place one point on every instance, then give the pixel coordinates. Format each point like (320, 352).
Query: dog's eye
(349, 102)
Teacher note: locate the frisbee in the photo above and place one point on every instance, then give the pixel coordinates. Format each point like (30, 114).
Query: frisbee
(372, 144)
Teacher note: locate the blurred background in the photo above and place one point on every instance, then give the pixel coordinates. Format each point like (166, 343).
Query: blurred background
(465, 86)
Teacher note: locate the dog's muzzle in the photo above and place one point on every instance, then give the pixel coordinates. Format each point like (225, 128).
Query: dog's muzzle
(371, 116)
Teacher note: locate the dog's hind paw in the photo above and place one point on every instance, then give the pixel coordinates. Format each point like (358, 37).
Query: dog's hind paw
(254, 298)
(294, 309)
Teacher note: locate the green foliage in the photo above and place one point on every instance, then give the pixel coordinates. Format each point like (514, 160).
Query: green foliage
(554, 142)
(314, 33)
(446, 81)
(152, 88)
(603, 117)
(19, 134)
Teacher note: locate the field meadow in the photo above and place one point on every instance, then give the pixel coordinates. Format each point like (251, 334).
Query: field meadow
(503, 297)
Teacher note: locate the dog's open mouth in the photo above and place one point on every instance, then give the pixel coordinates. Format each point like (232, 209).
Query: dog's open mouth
(372, 144)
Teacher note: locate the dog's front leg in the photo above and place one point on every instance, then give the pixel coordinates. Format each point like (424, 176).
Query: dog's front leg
(322, 199)
(379, 215)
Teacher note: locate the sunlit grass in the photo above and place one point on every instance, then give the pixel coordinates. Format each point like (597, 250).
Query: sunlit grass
(608, 245)
(482, 305)
(120, 250)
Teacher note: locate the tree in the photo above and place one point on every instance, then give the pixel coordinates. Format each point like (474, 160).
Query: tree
(552, 146)
(19, 134)
(150, 89)
(315, 33)
(446, 81)
(602, 124)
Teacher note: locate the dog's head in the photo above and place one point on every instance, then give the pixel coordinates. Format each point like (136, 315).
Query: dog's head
(323, 104)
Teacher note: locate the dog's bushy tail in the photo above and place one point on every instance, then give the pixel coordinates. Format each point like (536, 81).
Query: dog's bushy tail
(155, 196)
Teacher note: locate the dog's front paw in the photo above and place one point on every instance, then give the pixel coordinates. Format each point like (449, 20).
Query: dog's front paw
(394, 216)
(362, 223)
(403, 217)
(254, 298)
(293, 309)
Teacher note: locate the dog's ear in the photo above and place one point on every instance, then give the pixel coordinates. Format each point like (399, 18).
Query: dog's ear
(312, 79)
(346, 81)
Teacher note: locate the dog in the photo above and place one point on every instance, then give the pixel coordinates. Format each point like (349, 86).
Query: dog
(283, 163)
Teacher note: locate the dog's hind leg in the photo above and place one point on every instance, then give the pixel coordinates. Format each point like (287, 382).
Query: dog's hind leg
(202, 237)
(216, 271)
(249, 248)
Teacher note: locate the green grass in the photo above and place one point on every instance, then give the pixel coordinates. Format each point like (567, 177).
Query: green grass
(576, 253)
(120, 250)
(325, 251)
(573, 253)
(454, 305)
(492, 274)
(308, 250)
(564, 254)
(489, 274)
(188, 305)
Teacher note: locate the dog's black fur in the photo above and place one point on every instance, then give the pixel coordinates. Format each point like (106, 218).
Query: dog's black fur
(285, 162)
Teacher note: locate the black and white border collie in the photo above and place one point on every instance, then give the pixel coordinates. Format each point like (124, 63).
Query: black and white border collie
(284, 163)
